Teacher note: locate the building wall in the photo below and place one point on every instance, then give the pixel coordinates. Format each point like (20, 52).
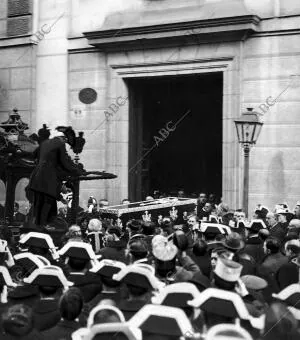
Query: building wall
(269, 62)
(44, 85)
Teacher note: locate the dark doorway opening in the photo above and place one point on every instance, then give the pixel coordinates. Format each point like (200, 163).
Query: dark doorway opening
(188, 155)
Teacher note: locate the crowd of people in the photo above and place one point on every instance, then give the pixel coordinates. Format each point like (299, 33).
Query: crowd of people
(212, 274)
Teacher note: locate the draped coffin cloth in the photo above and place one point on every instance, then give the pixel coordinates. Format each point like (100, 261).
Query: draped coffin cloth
(155, 208)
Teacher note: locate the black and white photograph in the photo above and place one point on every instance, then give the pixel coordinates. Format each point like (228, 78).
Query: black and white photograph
(150, 169)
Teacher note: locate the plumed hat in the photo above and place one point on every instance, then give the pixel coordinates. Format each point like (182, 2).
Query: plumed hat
(163, 249)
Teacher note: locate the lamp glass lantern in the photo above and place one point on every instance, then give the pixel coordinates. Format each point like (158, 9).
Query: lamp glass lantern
(248, 127)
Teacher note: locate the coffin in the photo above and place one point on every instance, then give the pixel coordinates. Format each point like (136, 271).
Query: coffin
(142, 210)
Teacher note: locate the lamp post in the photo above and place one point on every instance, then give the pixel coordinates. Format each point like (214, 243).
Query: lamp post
(248, 128)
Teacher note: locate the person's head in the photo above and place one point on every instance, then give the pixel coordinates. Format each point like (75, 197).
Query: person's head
(200, 247)
(17, 321)
(297, 210)
(125, 201)
(16, 207)
(105, 313)
(271, 219)
(70, 304)
(208, 207)
(74, 232)
(292, 248)
(138, 249)
(271, 246)
(181, 193)
(202, 198)
(148, 228)
(192, 220)
(294, 226)
(215, 254)
(92, 204)
(62, 210)
(212, 198)
(149, 198)
(281, 218)
(280, 324)
(239, 215)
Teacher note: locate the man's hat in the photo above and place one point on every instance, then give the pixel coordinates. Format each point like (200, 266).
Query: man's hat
(261, 211)
(163, 248)
(49, 276)
(254, 282)
(5, 278)
(78, 250)
(30, 262)
(108, 268)
(286, 212)
(69, 133)
(92, 200)
(228, 270)
(161, 320)
(233, 242)
(176, 295)
(256, 225)
(138, 276)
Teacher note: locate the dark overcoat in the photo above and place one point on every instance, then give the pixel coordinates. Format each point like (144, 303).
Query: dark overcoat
(53, 166)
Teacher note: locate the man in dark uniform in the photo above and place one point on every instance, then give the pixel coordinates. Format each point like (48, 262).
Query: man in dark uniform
(53, 166)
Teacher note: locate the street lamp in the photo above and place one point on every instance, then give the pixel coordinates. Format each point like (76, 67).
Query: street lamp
(248, 128)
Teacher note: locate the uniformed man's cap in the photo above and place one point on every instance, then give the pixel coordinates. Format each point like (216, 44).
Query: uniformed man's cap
(108, 268)
(49, 276)
(138, 276)
(5, 278)
(78, 250)
(39, 240)
(161, 320)
(228, 270)
(30, 262)
(176, 295)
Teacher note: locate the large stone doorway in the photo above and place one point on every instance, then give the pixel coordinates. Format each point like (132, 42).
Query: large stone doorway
(175, 134)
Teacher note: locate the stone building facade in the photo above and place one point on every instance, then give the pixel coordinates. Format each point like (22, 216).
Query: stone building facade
(110, 49)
